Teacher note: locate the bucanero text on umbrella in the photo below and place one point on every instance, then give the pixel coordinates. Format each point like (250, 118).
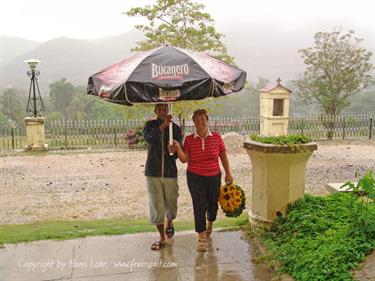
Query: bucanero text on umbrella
(169, 71)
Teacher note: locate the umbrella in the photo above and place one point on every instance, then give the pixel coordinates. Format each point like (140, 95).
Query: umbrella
(164, 75)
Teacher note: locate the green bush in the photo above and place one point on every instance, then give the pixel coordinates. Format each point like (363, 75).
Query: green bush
(282, 140)
(319, 238)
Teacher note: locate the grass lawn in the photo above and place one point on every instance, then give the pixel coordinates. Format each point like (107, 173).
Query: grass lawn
(43, 230)
(323, 238)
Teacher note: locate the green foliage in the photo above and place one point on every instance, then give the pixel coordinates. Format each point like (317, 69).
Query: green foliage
(103, 110)
(12, 106)
(61, 95)
(319, 238)
(362, 102)
(365, 185)
(77, 108)
(337, 67)
(54, 116)
(181, 23)
(3, 119)
(282, 140)
(365, 188)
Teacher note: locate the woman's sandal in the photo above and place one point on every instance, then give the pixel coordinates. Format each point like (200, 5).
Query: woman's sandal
(202, 246)
(158, 245)
(169, 231)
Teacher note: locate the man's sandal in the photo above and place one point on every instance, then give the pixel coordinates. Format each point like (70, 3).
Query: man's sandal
(158, 245)
(202, 246)
(169, 231)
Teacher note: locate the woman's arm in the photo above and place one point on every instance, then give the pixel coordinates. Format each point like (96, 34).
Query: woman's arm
(182, 155)
(225, 162)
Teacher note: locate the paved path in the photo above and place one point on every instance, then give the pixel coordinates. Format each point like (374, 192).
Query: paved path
(128, 257)
(367, 270)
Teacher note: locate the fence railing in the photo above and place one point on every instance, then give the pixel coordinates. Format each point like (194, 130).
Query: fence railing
(112, 133)
(341, 126)
(89, 133)
(12, 137)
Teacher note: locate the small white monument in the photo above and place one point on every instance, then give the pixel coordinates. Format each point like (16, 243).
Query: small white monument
(274, 110)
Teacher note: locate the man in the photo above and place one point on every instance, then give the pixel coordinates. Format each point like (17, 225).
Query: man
(161, 173)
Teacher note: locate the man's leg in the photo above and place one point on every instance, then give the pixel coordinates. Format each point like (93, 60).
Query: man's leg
(156, 203)
(170, 199)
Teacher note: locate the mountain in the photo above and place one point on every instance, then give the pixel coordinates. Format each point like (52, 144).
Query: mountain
(265, 49)
(12, 47)
(262, 49)
(73, 59)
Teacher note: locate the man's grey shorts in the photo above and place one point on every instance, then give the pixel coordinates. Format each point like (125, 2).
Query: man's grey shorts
(162, 195)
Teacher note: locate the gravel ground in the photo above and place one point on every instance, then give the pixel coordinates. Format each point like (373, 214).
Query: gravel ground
(106, 184)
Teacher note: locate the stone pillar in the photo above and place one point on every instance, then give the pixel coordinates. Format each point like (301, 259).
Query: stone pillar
(274, 110)
(278, 179)
(35, 134)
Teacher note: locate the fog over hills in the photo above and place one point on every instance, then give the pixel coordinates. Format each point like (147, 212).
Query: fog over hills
(12, 47)
(263, 50)
(71, 58)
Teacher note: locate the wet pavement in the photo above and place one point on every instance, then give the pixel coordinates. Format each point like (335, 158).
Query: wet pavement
(366, 271)
(128, 257)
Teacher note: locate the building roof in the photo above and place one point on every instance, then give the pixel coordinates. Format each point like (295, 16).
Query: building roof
(271, 87)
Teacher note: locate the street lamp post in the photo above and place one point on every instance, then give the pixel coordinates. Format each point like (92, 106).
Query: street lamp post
(35, 135)
(34, 109)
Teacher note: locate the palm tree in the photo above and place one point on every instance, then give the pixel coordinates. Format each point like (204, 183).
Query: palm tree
(61, 95)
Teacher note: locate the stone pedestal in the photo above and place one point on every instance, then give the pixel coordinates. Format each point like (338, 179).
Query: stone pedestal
(35, 134)
(278, 179)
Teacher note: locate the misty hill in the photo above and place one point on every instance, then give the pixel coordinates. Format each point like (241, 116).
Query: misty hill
(263, 50)
(267, 50)
(12, 47)
(73, 59)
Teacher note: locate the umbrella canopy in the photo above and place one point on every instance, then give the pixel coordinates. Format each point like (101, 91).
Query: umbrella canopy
(166, 74)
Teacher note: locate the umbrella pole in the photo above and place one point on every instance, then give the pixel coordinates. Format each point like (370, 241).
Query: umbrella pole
(170, 128)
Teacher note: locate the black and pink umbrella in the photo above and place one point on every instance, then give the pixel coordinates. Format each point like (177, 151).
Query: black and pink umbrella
(164, 75)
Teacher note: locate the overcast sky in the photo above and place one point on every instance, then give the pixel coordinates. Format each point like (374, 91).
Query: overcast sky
(42, 20)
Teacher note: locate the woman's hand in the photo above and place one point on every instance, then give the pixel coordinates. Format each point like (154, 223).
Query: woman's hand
(174, 147)
(183, 156)
(228, 179)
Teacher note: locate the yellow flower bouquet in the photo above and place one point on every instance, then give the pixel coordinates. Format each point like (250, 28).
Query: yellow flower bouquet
(232, 200)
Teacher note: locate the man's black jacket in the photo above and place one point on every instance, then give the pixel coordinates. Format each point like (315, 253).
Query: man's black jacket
(154, 138)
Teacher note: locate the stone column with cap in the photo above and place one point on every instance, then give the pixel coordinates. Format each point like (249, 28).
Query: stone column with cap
(35, 136)
(278, 171)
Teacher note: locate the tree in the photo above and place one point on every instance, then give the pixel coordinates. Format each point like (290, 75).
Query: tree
(262, 82)
(181, 23)
(61, 95)
(2, 118)
(13, 108)
(337, 68)
(184, 24)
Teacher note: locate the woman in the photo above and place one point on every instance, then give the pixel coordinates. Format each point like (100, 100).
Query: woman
(202, 151)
